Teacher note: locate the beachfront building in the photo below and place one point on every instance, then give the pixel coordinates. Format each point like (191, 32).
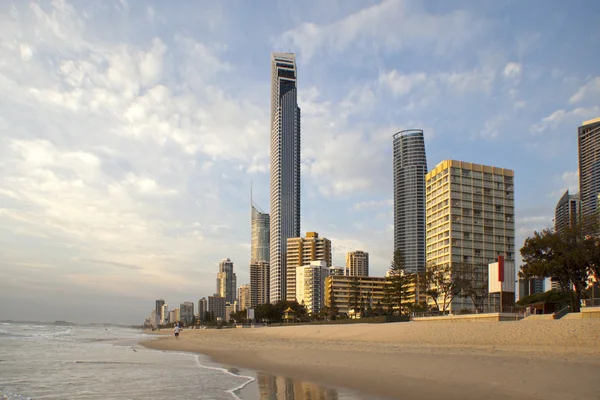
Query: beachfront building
(260, 236)
(470, 221)
(202, 308)
(310, 285)
(301, 252)
(528, 286)
(243, 298)
(337, 271)
(230, 308)
(357, 263)
(164, 314)
(216, 305)
(567, 212)
(410, 167)
(176, 315)
(285, 168)
(371, 292)
(588, 138)
(186, 311)
(226, 280)
(259, 283)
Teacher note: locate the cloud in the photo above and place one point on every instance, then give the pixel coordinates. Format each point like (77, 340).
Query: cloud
(512, 70)
(390, 25)
(591, 90)
(373, 204)
(399, 84)
(559, 117)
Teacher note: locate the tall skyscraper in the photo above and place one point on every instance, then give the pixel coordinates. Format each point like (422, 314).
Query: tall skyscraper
(226, 280)
(300, 252)
(259, 249)
(588, 135)
(285, 168)
(470, 219)
(259, 283)
(202, 308)
(158, 311)
(410, 168)
(357, 263)
(567, 212)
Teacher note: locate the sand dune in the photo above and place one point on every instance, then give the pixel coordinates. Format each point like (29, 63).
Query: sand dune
(507, 360)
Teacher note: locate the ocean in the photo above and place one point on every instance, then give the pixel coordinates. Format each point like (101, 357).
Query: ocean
(48, 361)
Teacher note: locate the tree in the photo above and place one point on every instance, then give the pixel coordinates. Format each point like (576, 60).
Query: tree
(441, 285)
(471, 281)
(399, 282)
(354, 299)
(567, 256)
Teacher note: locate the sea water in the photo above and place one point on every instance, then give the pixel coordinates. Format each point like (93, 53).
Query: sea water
(47, 361)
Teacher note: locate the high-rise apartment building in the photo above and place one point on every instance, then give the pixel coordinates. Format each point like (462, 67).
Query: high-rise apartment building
(470, 219)
(158, 311)
(186, 311)
(567, 212)
(300, 252)
(259, 249)
(310, 285)
(244, 297)
(259, 283)
(202, 308)
(357, 263)
(285, 168)
(216, 305)
(588, 135)
(164, 314)
(226, 280)
(410, 168)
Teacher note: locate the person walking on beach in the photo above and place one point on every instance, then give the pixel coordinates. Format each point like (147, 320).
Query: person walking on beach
(177, 329)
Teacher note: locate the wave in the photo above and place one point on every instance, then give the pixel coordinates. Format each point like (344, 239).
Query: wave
(236, 389)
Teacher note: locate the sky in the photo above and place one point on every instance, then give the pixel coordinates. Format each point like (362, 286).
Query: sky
(130, 131)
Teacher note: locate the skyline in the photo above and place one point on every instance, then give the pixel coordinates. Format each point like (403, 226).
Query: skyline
(131, 182)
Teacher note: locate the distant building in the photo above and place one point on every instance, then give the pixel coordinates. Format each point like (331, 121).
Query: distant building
(302, 251)
(410, 167)
(226, 280)
(310, 285)
(244, 297)
(158, 312)
(216, 305)
(260, 226)
(588, 138)
(164, 314)
(172, 318)
(176, 315)
(470, 220)
(285, 168)
(186, 310)
(337, 271)
(567, 212)
(357, 263)
(154, 319)
(529, 286)
(230, 308)
(259, 283)
(202, 307)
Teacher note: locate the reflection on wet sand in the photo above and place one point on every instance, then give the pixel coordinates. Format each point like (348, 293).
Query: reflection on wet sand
(279, 388)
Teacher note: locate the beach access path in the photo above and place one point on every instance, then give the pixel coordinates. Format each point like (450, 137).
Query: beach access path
(418, 360)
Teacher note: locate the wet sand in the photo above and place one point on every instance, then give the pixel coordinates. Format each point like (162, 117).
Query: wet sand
(495, 360)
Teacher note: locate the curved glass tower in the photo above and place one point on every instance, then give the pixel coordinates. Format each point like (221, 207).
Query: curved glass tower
(285, 168)
(410, 168)
(259, 249)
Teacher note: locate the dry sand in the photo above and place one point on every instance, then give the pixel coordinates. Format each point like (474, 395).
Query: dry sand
(477, 360)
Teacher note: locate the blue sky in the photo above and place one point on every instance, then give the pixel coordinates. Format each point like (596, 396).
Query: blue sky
(130, 131)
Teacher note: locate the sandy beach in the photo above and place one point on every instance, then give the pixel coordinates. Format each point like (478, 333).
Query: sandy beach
(476, 360)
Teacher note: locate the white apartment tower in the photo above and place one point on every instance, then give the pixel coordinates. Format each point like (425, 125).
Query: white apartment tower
(285, 168)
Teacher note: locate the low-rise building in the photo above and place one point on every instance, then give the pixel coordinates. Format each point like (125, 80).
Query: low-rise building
(310, 285)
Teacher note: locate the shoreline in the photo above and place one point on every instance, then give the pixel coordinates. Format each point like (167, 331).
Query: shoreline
(517, 360)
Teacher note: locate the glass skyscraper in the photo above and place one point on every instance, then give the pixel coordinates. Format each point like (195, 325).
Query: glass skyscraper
(285, 168)
(410, 168)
